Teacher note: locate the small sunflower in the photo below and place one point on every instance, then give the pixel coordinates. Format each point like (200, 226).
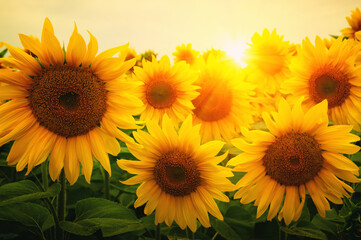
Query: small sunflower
(354, 31)
(166, 89)
(301, 152)
(320, 73)
(179, 176)
(268, 59)
(67, 107)
(186, 53)
(222, 106)
(216, 53)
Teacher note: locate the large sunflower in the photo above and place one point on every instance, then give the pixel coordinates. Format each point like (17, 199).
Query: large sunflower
(68, 107)
(166, 89)
(223, 104)
(354, 31)
(301, 152)
(180, 177)
(268, 59)
(186, 53)
(320, 73)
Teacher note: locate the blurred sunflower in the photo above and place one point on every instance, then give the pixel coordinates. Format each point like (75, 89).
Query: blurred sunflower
(166, 89)
(301, 152)
(186, 53)
(216, 53)
(222, 106)
(69, 107)
(179, 177)
(268, 59)
(320, 73)
(354, 31)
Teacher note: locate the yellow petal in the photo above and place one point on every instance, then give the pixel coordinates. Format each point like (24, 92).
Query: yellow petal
(92, 51)
(76, 49)
(56, 161)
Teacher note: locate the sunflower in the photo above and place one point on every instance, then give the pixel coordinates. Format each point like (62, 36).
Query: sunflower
(179, 176)
(186, 53)
(354, 31)
(301, 152)
(166, 89)
(320, 73)
(268, 59)
(222, 106)
(67, 107)
(216, 53)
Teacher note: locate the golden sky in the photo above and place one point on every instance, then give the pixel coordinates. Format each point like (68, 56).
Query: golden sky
(162, 25)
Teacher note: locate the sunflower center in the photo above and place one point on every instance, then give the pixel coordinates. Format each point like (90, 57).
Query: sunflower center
(68, 101)
(213, 103)
(270, 64)
(331, 86)
(176, 173)
(293, 159)
(160, 94)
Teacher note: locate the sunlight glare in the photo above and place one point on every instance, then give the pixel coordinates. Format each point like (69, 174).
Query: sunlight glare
(235, 49)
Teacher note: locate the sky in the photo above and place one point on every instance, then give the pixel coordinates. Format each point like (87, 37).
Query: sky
(162, 25)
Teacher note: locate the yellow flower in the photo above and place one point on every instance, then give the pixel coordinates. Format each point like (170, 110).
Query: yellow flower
(216, 53)
(223, 104)
(301, 152)
(354, 31)
(179, 177)
(268, 59)
(328, 42)
(166, 89)
(320, 73)
(186, 53)
(67, 107)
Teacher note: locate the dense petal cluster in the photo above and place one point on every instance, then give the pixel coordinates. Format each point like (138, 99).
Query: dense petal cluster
(67, 107)
(300, 152)
(179, 176)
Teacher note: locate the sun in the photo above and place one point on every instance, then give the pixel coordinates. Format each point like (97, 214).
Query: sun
(235, 48)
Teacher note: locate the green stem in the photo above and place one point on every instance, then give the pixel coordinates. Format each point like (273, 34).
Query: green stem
(158, 235)
(187, 233)
(61, 204)
(55, 217)
(214, 236)
(106, 180)
(44, 175)
(49, 205)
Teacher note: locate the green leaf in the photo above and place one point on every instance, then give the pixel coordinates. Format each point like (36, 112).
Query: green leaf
(3, 52)
(79, 228)
(330, 223)
(310, 231)
(241, 220)
(28, 214)
(94, 214)
(113, 226)
(224, 229)
(25, 190)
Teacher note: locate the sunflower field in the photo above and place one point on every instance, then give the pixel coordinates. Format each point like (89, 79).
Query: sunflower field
(122, 145)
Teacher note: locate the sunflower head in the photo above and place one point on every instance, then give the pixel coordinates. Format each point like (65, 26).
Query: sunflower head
(268, 57)
(320, 73)
(354, 31)
(222, 106)
(166, 89)
(215, 53)
(300, 152)
(186, 53)
(65, 106)
(179, 176)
